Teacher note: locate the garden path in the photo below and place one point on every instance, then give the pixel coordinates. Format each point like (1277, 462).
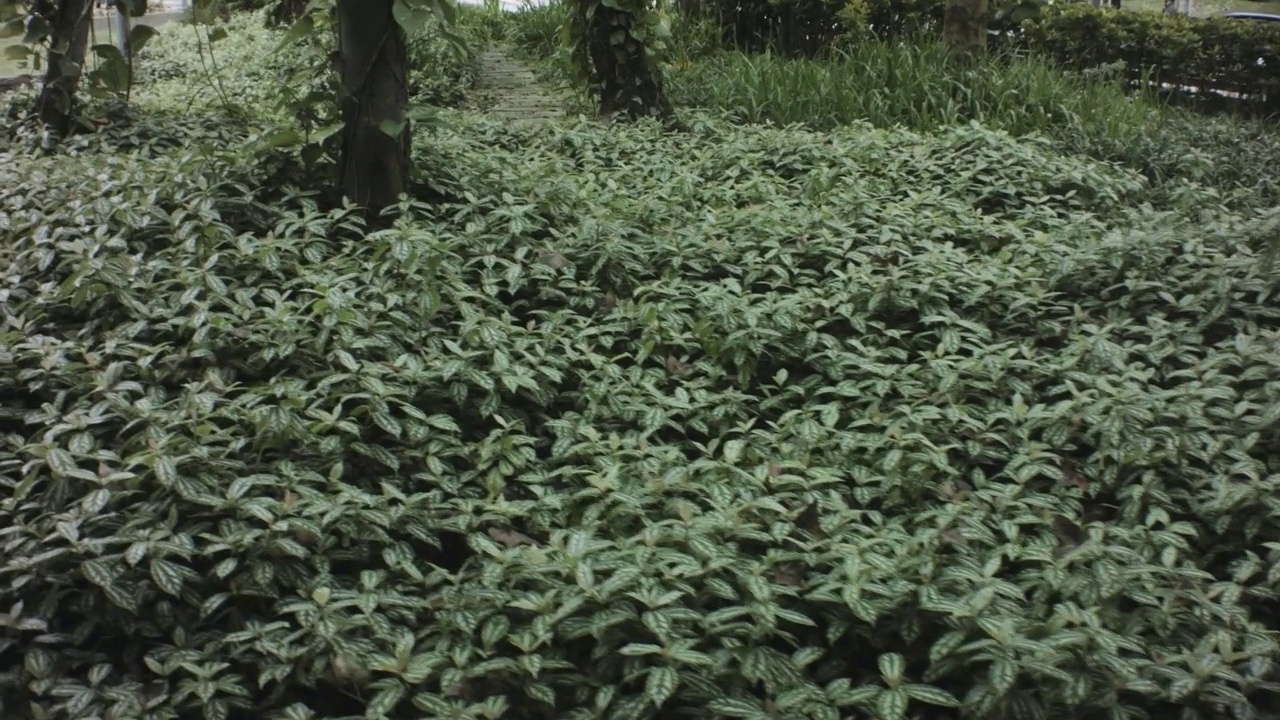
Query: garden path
(507, 89)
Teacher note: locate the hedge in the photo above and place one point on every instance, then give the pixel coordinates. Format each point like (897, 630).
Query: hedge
(1209, 53)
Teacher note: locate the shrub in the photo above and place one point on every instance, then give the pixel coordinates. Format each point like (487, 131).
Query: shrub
(737, 421)
(916, 85)
(1208, 53)
(536, 29)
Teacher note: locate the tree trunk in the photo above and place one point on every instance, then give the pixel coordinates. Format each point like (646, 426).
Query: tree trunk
(374, 165)
(622, 77)
(287, 12)
(69, 21)
(964, 27)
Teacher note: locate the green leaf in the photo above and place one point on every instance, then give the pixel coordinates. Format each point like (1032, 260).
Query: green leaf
(287, 137)
(733, 451)
(494, 630)
(411, 16)
(301, 27)
(931, 695)
(640, 649)
(661, 684)
(386, 422)
(394, 128)
(892, 705)
(167, 576)
(139, 36)
(99, 572)
(892, 666)
(385, 701)
(735, 707)
(1003, 674)
(61, 462)
(166, 471)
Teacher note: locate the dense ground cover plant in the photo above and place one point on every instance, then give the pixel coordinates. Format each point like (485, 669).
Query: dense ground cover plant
(1211, 52)
(738, 422)
(917, 86)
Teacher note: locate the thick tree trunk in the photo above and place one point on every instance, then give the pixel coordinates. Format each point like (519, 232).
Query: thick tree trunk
(964, 27)
(374, 166)
(70, 22)
(623, 80)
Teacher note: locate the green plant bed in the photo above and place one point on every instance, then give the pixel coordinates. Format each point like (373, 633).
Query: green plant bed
(726, 423)
(917, 86)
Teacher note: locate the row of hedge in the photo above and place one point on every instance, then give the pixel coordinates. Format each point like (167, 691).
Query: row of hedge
(1211, 53)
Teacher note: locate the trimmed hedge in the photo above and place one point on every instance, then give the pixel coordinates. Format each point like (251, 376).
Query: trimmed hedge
(1211, 53)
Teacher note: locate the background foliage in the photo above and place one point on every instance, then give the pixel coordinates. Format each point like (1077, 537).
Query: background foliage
(1207, 53)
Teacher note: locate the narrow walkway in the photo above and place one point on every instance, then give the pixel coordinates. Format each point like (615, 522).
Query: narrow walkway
(507, 89)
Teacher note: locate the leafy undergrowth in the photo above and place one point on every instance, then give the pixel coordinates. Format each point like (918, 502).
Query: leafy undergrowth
(736, 423)
(918, 86)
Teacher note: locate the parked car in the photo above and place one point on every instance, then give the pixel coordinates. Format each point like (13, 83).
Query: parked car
(1264, 17)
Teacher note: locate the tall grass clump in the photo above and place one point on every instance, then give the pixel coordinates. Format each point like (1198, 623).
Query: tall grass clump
(920, 87)
(536, 29)
(913, 85)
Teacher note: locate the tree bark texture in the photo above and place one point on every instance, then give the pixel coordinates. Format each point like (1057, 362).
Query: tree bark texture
(964, 26)
(70, 22)
(623, 79)
(373, 166)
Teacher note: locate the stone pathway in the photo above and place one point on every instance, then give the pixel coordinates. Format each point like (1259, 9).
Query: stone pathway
(507, 89)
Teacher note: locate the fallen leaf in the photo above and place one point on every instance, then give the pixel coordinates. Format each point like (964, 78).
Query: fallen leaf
(1069, 534)
(605, 304)
(554, 260)
(1071, 477)
(511, 538)
(791, 573)
(676, 367)
(346, 669)
(807, 520)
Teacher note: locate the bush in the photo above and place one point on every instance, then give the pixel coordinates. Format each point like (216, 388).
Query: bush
(1209, 53)
(731, 422)
(919, 86)
(537, 29)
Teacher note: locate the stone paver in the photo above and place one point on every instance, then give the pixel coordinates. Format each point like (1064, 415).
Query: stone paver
(507, 89)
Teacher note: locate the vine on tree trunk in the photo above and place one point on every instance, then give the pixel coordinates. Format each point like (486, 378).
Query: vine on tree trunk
(615, 46)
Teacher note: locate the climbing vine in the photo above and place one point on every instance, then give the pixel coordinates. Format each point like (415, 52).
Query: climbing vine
(615, 47)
